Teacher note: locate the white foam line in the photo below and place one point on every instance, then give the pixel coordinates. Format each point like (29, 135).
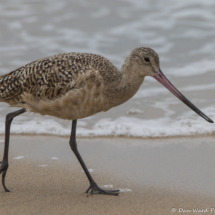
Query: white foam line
(185, 125)
(19, 157)
(55, 158)
(90, 170)
(42, 165)
(108, 186)
(125, 190)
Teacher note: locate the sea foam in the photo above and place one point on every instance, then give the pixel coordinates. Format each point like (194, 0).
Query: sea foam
(186, 125)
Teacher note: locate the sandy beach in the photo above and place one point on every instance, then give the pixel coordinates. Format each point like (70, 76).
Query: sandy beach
(158, 176)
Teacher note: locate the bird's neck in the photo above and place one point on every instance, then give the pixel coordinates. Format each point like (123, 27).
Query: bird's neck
(125, 85)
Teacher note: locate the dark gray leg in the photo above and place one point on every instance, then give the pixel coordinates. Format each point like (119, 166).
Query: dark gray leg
(4, 162)
(93, 186)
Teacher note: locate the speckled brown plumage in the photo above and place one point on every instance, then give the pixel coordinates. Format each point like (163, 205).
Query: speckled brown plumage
(73, 85)
(50, 77)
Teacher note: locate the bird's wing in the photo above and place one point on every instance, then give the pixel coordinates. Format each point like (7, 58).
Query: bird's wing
(47, 78)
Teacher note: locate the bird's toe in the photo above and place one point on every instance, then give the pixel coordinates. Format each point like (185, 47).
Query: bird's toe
(95, 189)
(3, 181)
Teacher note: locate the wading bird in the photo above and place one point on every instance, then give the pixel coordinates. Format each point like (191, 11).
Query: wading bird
(77, 85)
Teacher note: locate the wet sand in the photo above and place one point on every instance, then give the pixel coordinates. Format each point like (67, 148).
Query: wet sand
(162, 174)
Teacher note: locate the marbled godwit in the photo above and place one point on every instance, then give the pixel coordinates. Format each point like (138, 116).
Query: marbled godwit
(77, 85)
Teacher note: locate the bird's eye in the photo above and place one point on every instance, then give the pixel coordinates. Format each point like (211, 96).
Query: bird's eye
(146, 59)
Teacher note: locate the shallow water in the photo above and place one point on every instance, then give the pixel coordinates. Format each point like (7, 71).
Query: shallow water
(182, 33)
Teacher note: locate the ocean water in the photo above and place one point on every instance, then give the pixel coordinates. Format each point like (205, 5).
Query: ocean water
(181, 32)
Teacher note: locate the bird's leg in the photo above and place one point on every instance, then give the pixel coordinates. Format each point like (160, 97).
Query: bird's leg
(4, 162)
(93, 186)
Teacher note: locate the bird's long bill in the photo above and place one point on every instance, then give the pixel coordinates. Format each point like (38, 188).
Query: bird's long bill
(160, 77)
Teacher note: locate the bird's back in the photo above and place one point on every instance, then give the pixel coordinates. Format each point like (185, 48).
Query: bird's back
(56, 83)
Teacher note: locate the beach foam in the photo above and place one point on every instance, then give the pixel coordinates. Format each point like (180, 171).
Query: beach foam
(185, 125)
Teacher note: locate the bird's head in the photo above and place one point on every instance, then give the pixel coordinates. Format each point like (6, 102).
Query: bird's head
(145, 62)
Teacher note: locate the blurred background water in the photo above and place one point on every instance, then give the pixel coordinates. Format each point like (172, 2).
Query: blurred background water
(181, 32)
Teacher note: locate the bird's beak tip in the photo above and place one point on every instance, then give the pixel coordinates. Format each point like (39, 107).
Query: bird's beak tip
(211, 121)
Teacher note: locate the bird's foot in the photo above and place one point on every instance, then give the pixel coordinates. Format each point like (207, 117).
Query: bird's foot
(96, 189)
(3, 170)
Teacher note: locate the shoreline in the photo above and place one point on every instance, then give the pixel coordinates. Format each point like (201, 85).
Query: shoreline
(212, 135)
